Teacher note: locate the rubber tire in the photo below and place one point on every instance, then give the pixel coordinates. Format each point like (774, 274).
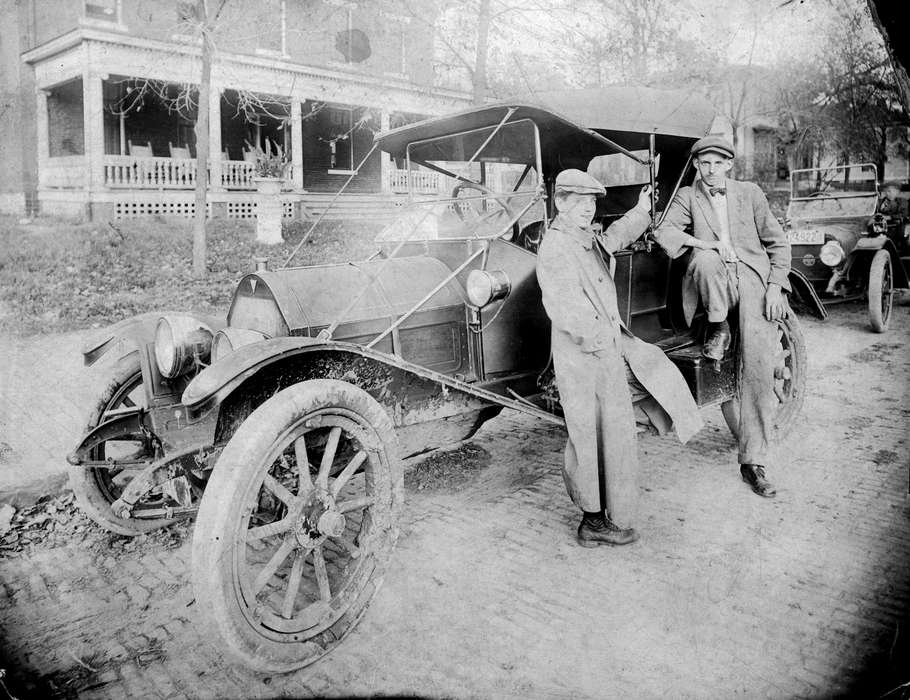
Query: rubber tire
(90, 495)
(880, 284)
(785, 420)
(238, 470)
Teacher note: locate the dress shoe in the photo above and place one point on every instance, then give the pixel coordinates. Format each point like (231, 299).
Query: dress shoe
(602, 531)
(754, 475)
(717, 342)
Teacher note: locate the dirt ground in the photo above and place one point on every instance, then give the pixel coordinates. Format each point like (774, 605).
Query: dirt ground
(726, 595)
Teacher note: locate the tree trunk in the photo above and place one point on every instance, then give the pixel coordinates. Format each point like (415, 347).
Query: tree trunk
(480, 57)
(202, 144)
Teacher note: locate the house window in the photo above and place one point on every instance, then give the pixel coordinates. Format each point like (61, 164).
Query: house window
(102, 11)
(271, 21)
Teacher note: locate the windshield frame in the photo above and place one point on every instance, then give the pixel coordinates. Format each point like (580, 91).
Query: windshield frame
(538, 157)
(874, 193)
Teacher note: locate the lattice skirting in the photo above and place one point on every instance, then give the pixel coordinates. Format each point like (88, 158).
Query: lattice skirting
(187, 209)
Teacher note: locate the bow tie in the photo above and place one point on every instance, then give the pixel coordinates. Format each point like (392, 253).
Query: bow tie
(717, 190)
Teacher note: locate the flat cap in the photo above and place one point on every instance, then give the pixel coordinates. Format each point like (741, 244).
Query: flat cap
(713, 144)
(578, 181)
(891, 183)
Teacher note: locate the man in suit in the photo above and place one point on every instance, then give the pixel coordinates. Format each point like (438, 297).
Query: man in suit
(740, 260)
(597, 360)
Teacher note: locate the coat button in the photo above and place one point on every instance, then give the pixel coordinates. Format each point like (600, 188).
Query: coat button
(600, 279)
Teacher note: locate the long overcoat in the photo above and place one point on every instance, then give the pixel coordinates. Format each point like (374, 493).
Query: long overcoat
(589, 343)
(764, 257)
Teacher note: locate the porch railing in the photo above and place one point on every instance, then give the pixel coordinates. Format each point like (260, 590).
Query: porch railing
(158, 173)
(237, 175)
(423, 181)
(173, 173)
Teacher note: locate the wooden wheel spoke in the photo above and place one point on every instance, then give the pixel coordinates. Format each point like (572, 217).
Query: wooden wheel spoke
(349, 547)
(128, 402)
(263, 531)
(290, 595)
(348, 472)
(303, 466)
(322, 575)
(273, 485)
(356, 504)
(328, 457)
(272, 566)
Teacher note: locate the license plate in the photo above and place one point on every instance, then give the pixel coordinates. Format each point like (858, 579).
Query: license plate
(806, 236)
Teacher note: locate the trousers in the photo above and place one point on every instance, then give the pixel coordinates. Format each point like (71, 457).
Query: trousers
(724, 287)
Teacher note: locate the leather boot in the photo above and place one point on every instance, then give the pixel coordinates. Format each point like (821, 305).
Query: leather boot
(754, 475)
(717, 342)
(597, 530)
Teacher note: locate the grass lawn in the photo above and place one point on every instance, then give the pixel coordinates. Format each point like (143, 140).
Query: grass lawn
(57, 276)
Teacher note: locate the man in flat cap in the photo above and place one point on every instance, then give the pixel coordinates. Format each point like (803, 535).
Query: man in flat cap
(601, 368)
(740, 260)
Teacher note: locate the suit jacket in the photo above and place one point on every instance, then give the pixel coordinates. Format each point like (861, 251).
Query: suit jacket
(757, 237)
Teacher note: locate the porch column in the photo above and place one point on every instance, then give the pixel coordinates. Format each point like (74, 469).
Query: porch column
(43, 142)
(385, 160)
(93, 125)
(215, 182)
(296, 144)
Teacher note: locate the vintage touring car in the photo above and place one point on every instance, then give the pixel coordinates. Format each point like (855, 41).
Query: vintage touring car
(282, 426)
(840, 247)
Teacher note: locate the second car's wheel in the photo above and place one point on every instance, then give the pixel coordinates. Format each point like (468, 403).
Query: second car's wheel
(297, 524)
(789, 380)
(881, 291)
(96, 488)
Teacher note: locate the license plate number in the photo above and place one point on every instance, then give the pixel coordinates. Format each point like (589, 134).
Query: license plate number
(806, 236)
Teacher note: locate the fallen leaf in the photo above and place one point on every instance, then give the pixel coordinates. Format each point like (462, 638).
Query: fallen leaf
(6, 516)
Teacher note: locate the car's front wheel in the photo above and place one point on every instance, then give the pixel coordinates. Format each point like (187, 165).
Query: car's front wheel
(123, 456)
(881, 291)
(297, 524)
(789, 380)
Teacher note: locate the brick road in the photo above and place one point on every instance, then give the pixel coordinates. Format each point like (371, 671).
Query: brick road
(726, 595)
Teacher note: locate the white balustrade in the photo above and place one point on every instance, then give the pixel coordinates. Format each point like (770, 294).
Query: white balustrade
(422, 181)
(154, 173)
(237, 175)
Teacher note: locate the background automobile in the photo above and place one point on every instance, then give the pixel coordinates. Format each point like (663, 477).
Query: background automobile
(840, 247)
(284, 424)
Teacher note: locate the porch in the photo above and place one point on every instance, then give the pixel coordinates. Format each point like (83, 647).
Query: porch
(124, 144)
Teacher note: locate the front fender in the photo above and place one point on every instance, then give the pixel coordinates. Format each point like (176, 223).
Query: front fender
(129, 423)
(868, 246)
(137, 331)
(803, 287)
(217, 382)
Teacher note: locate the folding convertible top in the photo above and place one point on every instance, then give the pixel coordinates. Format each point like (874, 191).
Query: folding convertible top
(565, 115)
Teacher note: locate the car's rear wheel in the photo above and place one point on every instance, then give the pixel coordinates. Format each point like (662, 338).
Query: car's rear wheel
(96, 488)
(789, 380)
(297, 524)
(881, 291)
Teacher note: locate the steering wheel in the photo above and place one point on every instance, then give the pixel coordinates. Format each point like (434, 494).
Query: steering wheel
(487, 192)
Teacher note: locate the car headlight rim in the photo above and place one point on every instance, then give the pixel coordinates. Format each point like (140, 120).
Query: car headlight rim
(483, 287)
(832, 254)
(227, 340)
(181, 343)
